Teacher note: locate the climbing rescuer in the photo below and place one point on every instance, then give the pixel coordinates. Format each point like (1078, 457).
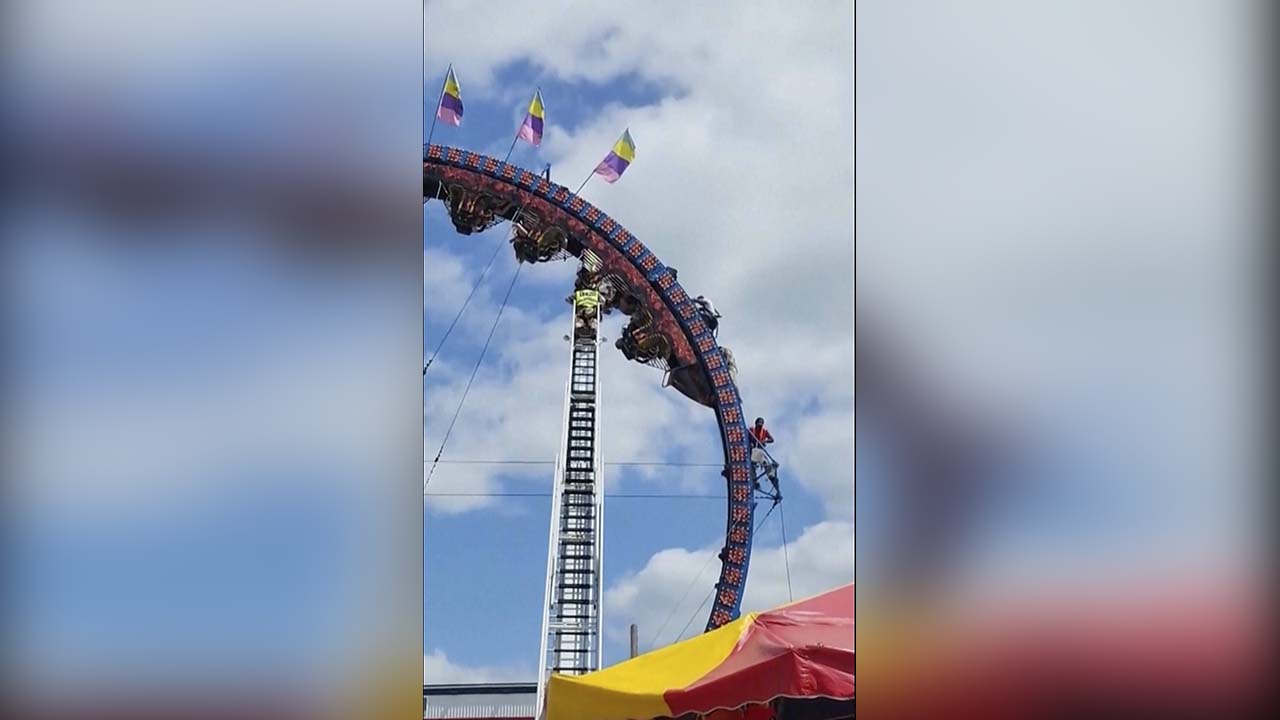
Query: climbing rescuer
(708, 312)
(733, 366)
(585, 304)
(759, 438)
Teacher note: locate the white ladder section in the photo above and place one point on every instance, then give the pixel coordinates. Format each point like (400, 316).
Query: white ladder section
(571, 626)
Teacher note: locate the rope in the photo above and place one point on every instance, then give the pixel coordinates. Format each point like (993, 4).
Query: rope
(782, 519)
(466, 302)
(474, 370)
(709, 594)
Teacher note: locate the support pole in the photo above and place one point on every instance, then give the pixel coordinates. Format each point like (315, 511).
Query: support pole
(635, 640)
(435, 115)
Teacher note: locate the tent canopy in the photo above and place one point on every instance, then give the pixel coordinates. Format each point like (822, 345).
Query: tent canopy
(800, 650)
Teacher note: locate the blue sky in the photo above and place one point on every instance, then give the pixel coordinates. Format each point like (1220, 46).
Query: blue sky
(485, 558)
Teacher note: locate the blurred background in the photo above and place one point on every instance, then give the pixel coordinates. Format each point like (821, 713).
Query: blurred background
(211, 410)
(1061, 338)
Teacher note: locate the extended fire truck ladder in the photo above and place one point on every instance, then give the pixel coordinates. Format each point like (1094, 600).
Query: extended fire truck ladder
(571, 627)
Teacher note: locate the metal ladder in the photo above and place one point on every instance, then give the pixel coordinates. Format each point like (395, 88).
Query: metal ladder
(571, 632)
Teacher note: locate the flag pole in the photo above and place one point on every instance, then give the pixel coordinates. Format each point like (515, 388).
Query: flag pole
(436, 115)
(537, 93)
(597, 167)
(513, 146)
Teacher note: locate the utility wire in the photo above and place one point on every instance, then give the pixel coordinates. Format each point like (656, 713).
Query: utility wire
(474, 370)
(552, 462)
(608, 496)
(656, 635)
(479, 280)
(694, 582)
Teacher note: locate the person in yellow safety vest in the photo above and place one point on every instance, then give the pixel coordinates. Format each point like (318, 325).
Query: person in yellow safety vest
(587, 299)
(586, 304)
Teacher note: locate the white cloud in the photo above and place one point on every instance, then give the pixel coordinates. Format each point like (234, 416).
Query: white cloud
(438, 669)
(663, 595)
(820, 459)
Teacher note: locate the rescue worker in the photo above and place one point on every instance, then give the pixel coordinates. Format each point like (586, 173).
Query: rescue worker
(708, 312)
(759, 438)
(733, 366)
(586, 303)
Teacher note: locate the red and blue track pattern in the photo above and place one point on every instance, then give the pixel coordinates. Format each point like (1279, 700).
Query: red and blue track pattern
(666, 300)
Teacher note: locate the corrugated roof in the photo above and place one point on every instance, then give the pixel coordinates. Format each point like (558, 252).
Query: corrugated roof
(507, 701)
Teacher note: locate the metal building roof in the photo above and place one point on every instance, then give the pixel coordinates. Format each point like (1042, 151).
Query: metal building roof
(495, 701)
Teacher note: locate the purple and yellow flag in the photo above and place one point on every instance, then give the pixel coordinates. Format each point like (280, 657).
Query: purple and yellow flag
(450, 109)
(531, 129)
(618, 159)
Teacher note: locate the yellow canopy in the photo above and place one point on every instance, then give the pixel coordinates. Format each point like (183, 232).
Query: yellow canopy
(633, 690)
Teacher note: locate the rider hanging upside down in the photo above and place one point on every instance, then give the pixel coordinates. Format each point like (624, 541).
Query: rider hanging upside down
(759, 438)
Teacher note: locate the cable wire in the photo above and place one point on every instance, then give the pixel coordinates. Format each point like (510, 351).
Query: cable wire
(782, 519)
(608, 496)
(553, 462)
(709, 594)
(466, 302)
(474, 370)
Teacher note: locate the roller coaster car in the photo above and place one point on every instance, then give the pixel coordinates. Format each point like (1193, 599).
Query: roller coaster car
(534, 243)
(625, 301)
(473, 212)
(692, 382)
(639, 344)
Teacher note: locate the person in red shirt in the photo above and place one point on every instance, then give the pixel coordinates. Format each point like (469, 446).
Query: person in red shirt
(760, 437)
